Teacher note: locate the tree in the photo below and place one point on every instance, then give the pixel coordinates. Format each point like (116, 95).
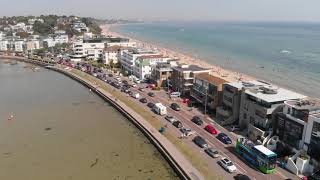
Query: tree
(22, 34)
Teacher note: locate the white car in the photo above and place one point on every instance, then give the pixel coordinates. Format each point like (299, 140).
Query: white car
(228, 165)
(187, 131)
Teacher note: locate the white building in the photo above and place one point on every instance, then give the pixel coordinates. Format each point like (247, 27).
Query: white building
(113, 54)
(33, 20)
(129, 57)
(4, 45)
(49, 41)
(2, 35)
(87, 50)
(144, 65)
(298, 126)
(258, 103)
(19, 46)
(80, 26)
(61, 38)
(19, 27)
(118, 41)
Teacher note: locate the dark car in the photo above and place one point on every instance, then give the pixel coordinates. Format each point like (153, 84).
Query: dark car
(143, 100)
(241, 177)
(110, 75)
(125, 82)
(150, 105)
(151, 94)
(224, 138)
(197, 120)
(177, 124)
(175, 106)
(198, 140)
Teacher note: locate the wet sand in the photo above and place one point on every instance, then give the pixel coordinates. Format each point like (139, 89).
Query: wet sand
(61, 130)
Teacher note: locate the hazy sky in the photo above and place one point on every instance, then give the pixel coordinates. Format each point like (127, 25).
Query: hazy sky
(271, 10)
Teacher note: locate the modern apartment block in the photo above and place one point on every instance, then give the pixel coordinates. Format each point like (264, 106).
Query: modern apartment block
(229, 110)
(87, 50)
(161, 74)
(207, 90)
(129, 57)
(182, 77)
(145, 64)
(258, 103)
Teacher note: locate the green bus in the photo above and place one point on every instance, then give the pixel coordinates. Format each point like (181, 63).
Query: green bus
(259, 156)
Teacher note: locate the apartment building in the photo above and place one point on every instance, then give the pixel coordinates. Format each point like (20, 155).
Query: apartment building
(161, 73)
(144, 65)
(182, 77)
(129, 57)
(207, 90)
(258, 103)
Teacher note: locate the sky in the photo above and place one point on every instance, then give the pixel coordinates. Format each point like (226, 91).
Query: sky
(219, 10)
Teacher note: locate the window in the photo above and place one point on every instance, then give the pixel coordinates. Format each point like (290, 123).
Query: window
(229, 99)
(260, 114)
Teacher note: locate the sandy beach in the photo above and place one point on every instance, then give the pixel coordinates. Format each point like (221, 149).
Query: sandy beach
(183, 57)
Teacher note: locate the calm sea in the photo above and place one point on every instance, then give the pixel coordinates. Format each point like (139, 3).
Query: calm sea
(286, 54)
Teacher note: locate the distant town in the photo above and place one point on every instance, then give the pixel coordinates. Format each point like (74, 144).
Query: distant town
(279, 119)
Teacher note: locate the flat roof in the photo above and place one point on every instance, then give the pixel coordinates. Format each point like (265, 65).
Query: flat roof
(184, 67)
(212, 79)
(264, 150)
(310, 104)
(280, 95)
(244, 84)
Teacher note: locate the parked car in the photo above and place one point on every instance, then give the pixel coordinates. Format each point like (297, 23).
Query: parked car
(160, 109)
(125, 82)
(170, 118)
(227, 165)
(212, 152)
(241, 177)
(151, 94)
(175, 94)
(224, 138)
(150, 105)
(210, 129)
(177, 124)
(197, 120)
(198, 140)
(175, 106)
(135, 95)
(187, 131)
(143, 100)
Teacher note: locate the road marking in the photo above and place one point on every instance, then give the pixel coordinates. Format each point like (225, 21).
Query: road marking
(277, 172)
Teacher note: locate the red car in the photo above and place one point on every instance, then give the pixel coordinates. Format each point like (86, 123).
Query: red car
(211, 129)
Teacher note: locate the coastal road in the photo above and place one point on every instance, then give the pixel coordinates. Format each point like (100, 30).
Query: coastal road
(224, 150)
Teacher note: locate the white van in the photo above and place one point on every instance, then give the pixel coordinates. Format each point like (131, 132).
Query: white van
(160, 109)
(136, 95)
(175, 94)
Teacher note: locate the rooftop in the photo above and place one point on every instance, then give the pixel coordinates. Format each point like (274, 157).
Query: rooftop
(152, 56)
(310, 104)
(212, 79)
(115, 48)
(184, 67)
(246, 84)
(264, 150)
(270, 93)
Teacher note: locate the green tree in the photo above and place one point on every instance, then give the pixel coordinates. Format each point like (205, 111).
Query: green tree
(22, 34)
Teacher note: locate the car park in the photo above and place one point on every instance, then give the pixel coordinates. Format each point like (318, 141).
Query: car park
(175, 107)
(198, 140)
(224, 138)
(212, 152)
(197, 120)
(210, 128)
(227, 165)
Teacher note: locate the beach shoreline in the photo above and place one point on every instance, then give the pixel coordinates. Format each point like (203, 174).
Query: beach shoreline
(184, 58)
